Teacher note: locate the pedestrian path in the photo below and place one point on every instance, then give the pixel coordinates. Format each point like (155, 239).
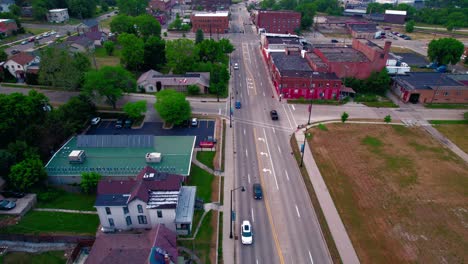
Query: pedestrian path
(64, 211)
(34, 247)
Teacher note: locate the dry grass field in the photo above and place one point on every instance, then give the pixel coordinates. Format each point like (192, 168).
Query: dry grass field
(456, 133)
(402, 197)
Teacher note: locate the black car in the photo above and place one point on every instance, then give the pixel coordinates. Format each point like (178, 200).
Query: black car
(257, 191)
(119, 123)
(15, 51)
(274, 115)
(12, 194)
(334, 41)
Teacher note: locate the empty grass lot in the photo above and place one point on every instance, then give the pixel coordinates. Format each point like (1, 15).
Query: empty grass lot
(203, 244)
(51, 257)
(71, 201)
(401, 195)
(36, 222)
(203, 180)
(102, 59)
(457, 133)
(206, 157)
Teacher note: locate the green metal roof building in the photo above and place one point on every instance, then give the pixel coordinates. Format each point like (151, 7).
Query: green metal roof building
(120, 156)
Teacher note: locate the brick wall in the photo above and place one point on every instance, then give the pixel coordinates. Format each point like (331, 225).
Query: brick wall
(278, 21)
(208, 24)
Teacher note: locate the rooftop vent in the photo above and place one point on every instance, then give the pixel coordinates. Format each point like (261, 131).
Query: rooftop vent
(77, 156)
(153, 157)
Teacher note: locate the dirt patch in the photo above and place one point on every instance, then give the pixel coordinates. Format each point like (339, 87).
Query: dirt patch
(215, 189)
(214, 237)
(402, 196)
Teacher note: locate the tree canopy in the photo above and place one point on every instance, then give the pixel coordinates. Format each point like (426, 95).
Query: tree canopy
(132, 7)
(135, 109)
(181, 54)
(77, 8)
(89, 181)
(109, 82)
(154, 54)
(143, 25)
(26, 173)
(377, 83)
(132, 51)
(445, 50)
(172, 106)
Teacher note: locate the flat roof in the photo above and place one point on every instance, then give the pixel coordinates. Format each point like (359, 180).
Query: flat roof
(296, 66)
(185, 204)
(342, 54)
(395, 12)
(217, 14)
(283, 40)
(176, 154)
(371, 28)
(427, 81)
(58, 10)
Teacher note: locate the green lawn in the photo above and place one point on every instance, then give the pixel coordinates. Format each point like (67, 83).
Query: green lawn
(206, 157)
(447, 106)
(380, 104)
(36, 31)
(202, 243)
(36, 222)
(51, 257)
(202, 179)
(72, 201)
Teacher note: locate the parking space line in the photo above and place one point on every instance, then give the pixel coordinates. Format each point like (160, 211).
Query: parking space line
(287, 176)
(253, 218)
(297, 210)
(279, 149)
(248, 177)
(246, 153)
(311, 259)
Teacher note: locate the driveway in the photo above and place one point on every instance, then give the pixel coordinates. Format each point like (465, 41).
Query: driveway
(204, 129)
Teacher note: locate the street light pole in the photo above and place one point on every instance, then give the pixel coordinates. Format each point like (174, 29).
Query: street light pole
(230, 110)
(230, 228)
(311, 96)
(303, 149)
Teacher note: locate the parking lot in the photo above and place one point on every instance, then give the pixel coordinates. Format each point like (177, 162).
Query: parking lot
(204, 129)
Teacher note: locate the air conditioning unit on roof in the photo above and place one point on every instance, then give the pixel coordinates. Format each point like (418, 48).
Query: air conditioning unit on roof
(153, 157)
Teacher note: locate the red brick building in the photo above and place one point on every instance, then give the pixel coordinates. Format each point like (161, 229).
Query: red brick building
(161, 5)
(294, 78)
(211, 23)
(277, 21)
(7, 26)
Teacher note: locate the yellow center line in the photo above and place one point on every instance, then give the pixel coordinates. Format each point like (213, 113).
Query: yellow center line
(267, 204)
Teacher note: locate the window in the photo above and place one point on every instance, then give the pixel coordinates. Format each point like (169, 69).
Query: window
(159, 214)
(111, 222)
(128, 219)
(108, 211)
(125, 210)
(446, 93)
(142, 220)
(140, 209)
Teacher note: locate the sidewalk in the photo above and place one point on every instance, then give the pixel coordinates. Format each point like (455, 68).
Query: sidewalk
(340, 236)
(64, 211)
(228, 244)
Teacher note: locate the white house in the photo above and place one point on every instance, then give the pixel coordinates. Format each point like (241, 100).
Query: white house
(18, 64)
(152, 198)
(58, 15)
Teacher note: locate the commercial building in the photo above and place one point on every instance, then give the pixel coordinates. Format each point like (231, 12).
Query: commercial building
(58, 15)
(272, 42)
(431, 87)
(283, 22)
(161, 5)
(153, 81)
(395, 16)
(210, 23)
(362, 30)
(210, 5)
(7, 27)
(120, 156)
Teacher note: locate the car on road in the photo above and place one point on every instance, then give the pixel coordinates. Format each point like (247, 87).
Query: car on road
(236, 66)
(12, 194)
(407, 38)
(119, 123)
(31, 39)
(53, 32)
(238, 105)
(334, 41)
(7, 205)
(274, 115)
(257, 191)
(15, 51)
(194, 122)
(128, 123)
(95, 121)
(24, 42)
(246, 233)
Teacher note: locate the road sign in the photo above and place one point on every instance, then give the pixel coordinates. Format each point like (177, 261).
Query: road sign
(233, 216)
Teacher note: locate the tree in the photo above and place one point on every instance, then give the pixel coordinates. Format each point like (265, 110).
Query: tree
(154, 54)
(193, 89)
(132, 7)
(226, 45)
(109, 46)
(3, 55)
(344, 117)
(147, 26)
(6, 161)
(409, 27)
(209, 51)
(75, 112)
(181, 54)
(109, 82)
(82, 8)
(104, 7)
(26, 174)
(89, 181)
(40, 9)
(132, 51)
(445, 50)
(199, 36)
(15, 10)
(388, 119)
(172, 106)
(135, 109)
(62, 69)
(123, 24)
(176, 24)
(456, 20)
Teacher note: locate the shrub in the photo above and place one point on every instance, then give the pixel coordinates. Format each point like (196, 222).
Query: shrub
(344, 117)
(388, 119)
(193, 89)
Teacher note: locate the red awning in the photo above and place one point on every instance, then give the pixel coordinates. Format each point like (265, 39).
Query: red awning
(206, 144)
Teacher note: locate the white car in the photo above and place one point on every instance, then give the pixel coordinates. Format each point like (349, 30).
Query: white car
(53, 32)
(246, 233)
(194, 122)
(95, 121)
(236, 66)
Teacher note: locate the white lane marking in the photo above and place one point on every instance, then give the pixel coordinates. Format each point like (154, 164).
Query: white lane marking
(293, 107)
(274, 131)
(253, 218)
(219, 112)
(292, 116)
(244, 131)
(263, 93)
(287, 116)
(248, 177)
(297, 210)
(271, 161)
(257, 261)
(241, 95)
(261, 84)
(287, 176)
(311, 259)
(248, 93)
(246, 153)
(279, 149)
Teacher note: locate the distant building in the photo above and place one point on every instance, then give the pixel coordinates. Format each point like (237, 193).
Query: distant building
(88, 25)
(161, 5)
(397, 67)
(431, 87)
(80, 43)
(58, 15)
(395, 16)
(210, 5)
(210, 23)
(362, 30)
(277, 21)
(153, 81)
(279, 42)
(7, 27)
(19, 64)
(26, 11)
(354, 12)
(5, 5)
(155, 246)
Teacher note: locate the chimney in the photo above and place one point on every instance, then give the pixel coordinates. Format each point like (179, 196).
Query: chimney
(303, 52)
(167, 260)
(387, 47)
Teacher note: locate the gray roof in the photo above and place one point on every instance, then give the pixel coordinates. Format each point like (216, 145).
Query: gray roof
(342, 54)
(296, 66)
(427, 81)
(112, 200)
(283, 40)
(152, 77)
(371, 28)
(90, 22)
(186, 204)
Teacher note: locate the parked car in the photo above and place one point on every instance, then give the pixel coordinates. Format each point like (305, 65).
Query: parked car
(236, 66)
(257, 191)
(334, 41)
(128, 123)
(246, 233)
(7, 205)
(53, 32)
(15, 51)
(211, 139)
(387, 28)
(95, 121)
(274, 115)
(194, 122)
(31, 39)
(24, 42)
(119, 123)
(12, 194)
(407, 38)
